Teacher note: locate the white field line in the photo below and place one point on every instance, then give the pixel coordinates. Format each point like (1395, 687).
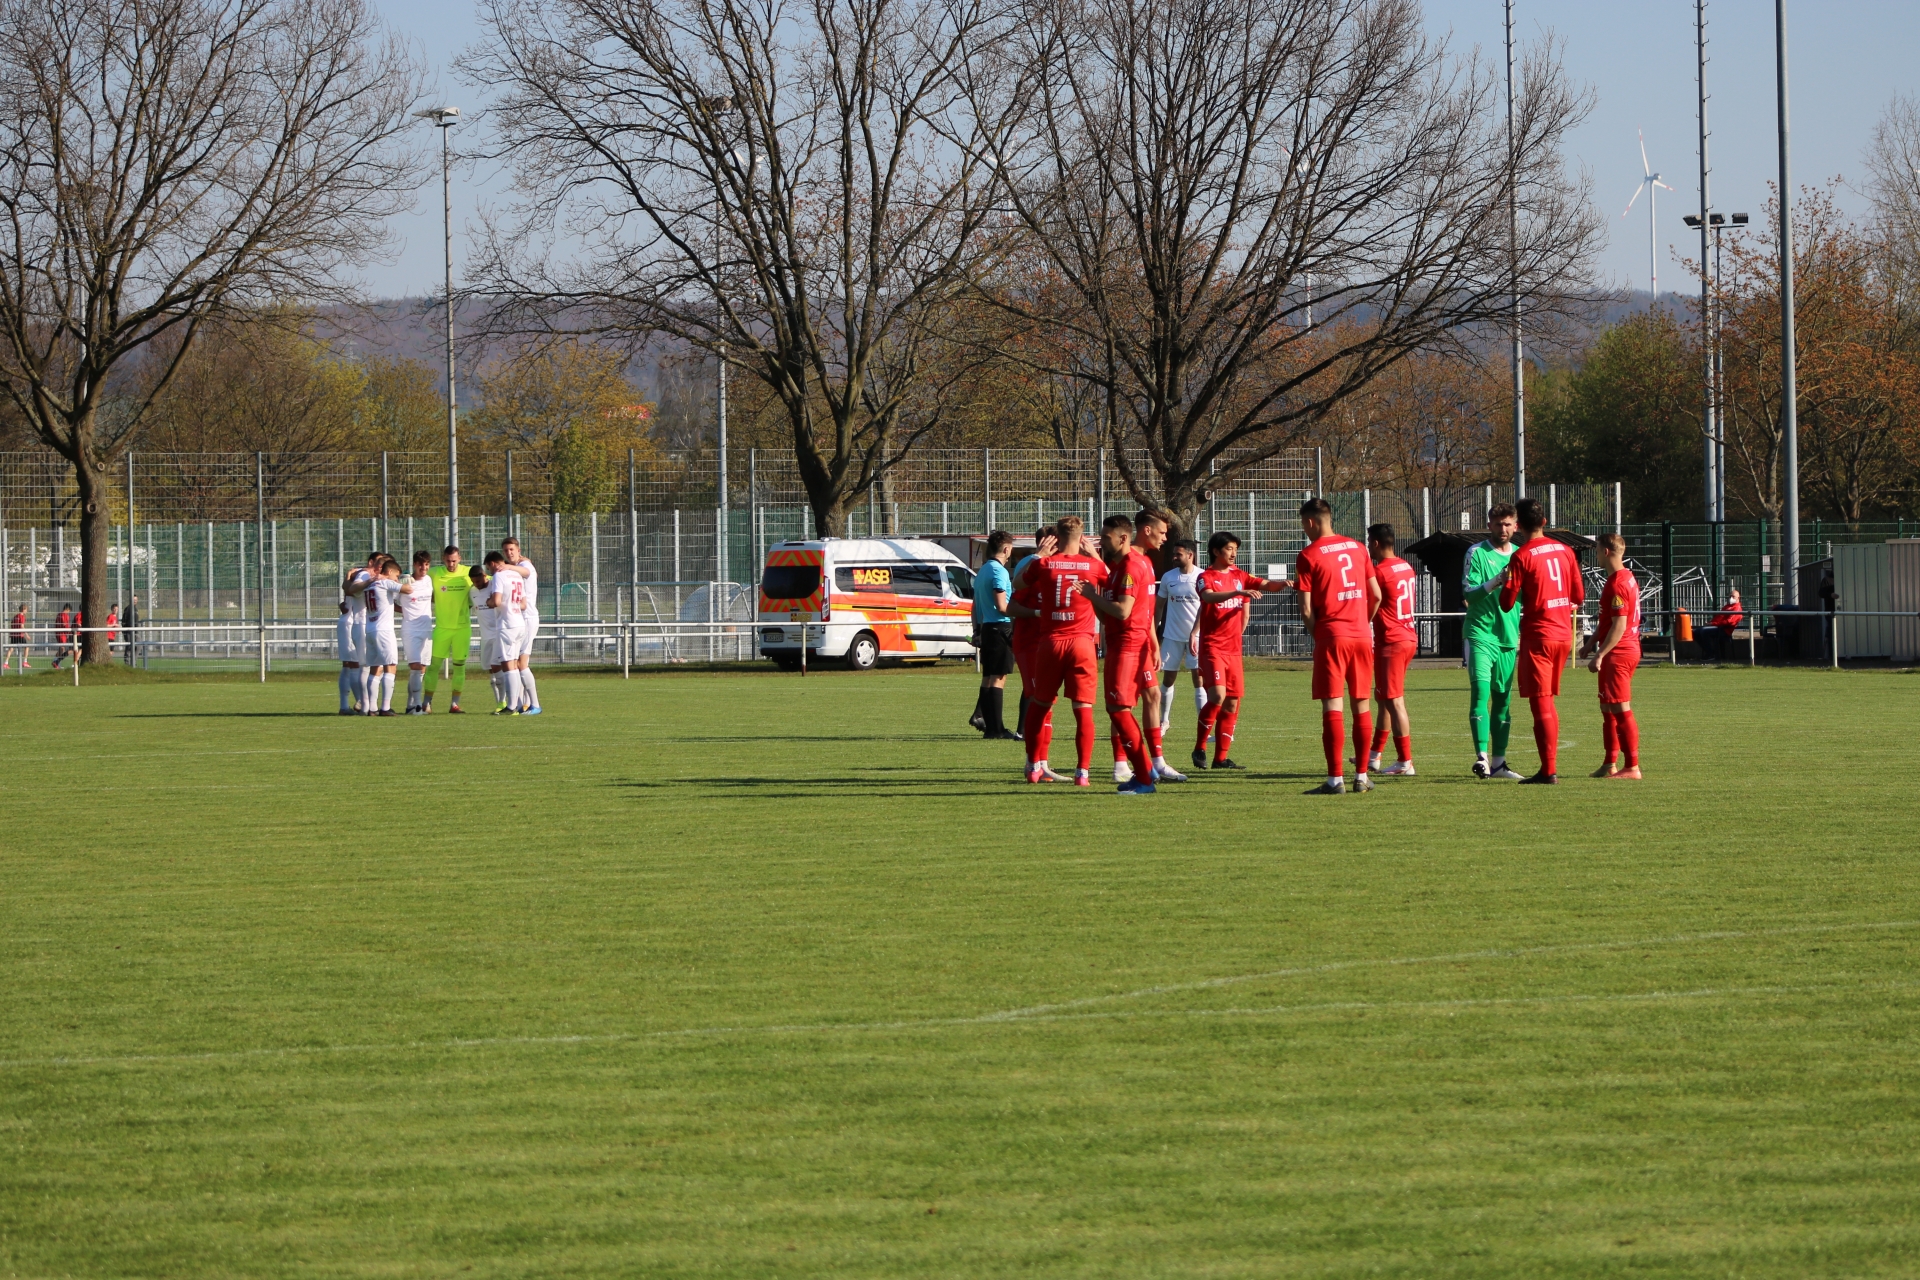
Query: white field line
(1074, 1010)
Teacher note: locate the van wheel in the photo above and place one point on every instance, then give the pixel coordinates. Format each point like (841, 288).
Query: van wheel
(864, 653)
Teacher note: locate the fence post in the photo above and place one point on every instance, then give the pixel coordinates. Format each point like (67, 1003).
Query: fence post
(1426, 512)
(511, 527)
(1671, 596)
(386, 533)
(986, 498)
(1553, 506)
(1099, 488)
(1319, 472)
(1366, 511)
(676, 561)
(559, 578)
(260, 555)
(633, 541)
(593, 565)
(211, 616)
(1616, 506)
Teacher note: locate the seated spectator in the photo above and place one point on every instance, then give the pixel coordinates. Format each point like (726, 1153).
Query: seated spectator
(1714, 638)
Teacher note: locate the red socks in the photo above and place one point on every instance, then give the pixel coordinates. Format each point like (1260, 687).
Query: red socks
(1546, 733)
(1083, 735)
(1630, 739)
(1403, 747)
(1380, 733)
(1223, 740)
(1126, 734)
(1332, 730)
(1039, 730)
(1154, 740)
(1609, 735)
(1208, 714)
(1362, 738)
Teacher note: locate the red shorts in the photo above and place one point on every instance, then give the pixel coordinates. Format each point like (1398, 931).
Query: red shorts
(1343, 668)
(1616, 674)
(1539, 665)
(1068, 661)
(1223, 670)
(1129, 674)
(1390, 669)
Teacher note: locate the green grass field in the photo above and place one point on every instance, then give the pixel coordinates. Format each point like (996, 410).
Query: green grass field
(751, 975)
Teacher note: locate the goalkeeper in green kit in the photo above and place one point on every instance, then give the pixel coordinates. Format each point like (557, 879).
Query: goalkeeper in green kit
(1492, 637)
(453, 626)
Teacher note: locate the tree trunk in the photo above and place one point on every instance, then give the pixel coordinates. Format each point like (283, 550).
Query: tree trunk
(96, 520)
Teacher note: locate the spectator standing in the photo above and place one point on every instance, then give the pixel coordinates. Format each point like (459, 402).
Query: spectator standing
(993, 635)
(128, 624)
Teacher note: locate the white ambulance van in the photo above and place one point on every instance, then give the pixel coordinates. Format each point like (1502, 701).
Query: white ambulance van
(864, 600)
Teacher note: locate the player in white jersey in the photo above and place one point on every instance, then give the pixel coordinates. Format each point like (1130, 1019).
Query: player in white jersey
(350, 635)
(488, 622)
(506, 598)
(530, 618)
(383, 647)
(416, 629)
(1179, 602)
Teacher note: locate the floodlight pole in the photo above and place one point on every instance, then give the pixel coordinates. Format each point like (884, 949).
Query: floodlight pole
(1513, 267)
(1789, 390)
(1709, 406)
(443, 119)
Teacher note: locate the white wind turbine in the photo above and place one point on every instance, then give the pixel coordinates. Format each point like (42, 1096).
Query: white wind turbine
(1649, 183)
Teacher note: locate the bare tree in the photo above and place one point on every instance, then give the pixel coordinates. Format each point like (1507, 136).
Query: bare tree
(1243, 211)
(163, 163)
(791, 188)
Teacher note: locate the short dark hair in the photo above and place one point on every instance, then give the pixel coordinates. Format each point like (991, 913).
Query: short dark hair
(996, 540)
(476, 575)
(450, 550)
(1531, 514)
(1045, 531)
(1190, 545)
(1382, 534)
(1221, 541)
(1499, 511)
(1610, 542)
(1152, 515)
(1314, 508)
(494, 557)
(423, 555)
(1116, 522)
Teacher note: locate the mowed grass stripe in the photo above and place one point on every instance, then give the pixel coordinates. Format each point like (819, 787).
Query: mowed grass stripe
(724, 854)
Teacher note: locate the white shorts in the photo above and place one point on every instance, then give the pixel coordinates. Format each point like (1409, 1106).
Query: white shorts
(489, 648)
(382, 650)
(1179, 656)
(416, 640)
(513, 642)
(530, 627)
(348, 636)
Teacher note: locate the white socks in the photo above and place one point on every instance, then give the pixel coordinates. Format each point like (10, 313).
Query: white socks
(416, 687)
(386, 691)
(532, 690)
(516, 699)
(1199, 698)
(346, 688)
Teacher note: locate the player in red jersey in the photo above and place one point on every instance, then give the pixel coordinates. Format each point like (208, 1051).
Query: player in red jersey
(1026, 627)
(1132, 652)
(1615, 646)
(1225, 590)
(1395, 642)
(1066, 583)
(1544, 576)
(1339, 595)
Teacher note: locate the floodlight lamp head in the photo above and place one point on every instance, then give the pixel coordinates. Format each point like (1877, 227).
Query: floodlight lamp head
(1740, 219)
(1693, 219)
(442, 117)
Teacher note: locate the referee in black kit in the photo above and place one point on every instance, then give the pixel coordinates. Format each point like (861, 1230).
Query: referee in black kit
(993, 635)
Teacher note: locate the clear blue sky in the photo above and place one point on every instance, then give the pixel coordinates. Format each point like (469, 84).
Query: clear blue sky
(1847, 59)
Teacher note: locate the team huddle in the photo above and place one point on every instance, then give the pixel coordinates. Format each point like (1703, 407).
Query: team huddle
(438, 607)
(1069, 603)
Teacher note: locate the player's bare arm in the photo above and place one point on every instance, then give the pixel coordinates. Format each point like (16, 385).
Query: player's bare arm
(1118, 610)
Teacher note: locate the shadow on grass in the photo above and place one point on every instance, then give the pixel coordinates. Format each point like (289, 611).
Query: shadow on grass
(232, 715)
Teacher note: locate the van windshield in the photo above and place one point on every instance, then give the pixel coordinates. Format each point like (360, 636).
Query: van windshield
(790, 581)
